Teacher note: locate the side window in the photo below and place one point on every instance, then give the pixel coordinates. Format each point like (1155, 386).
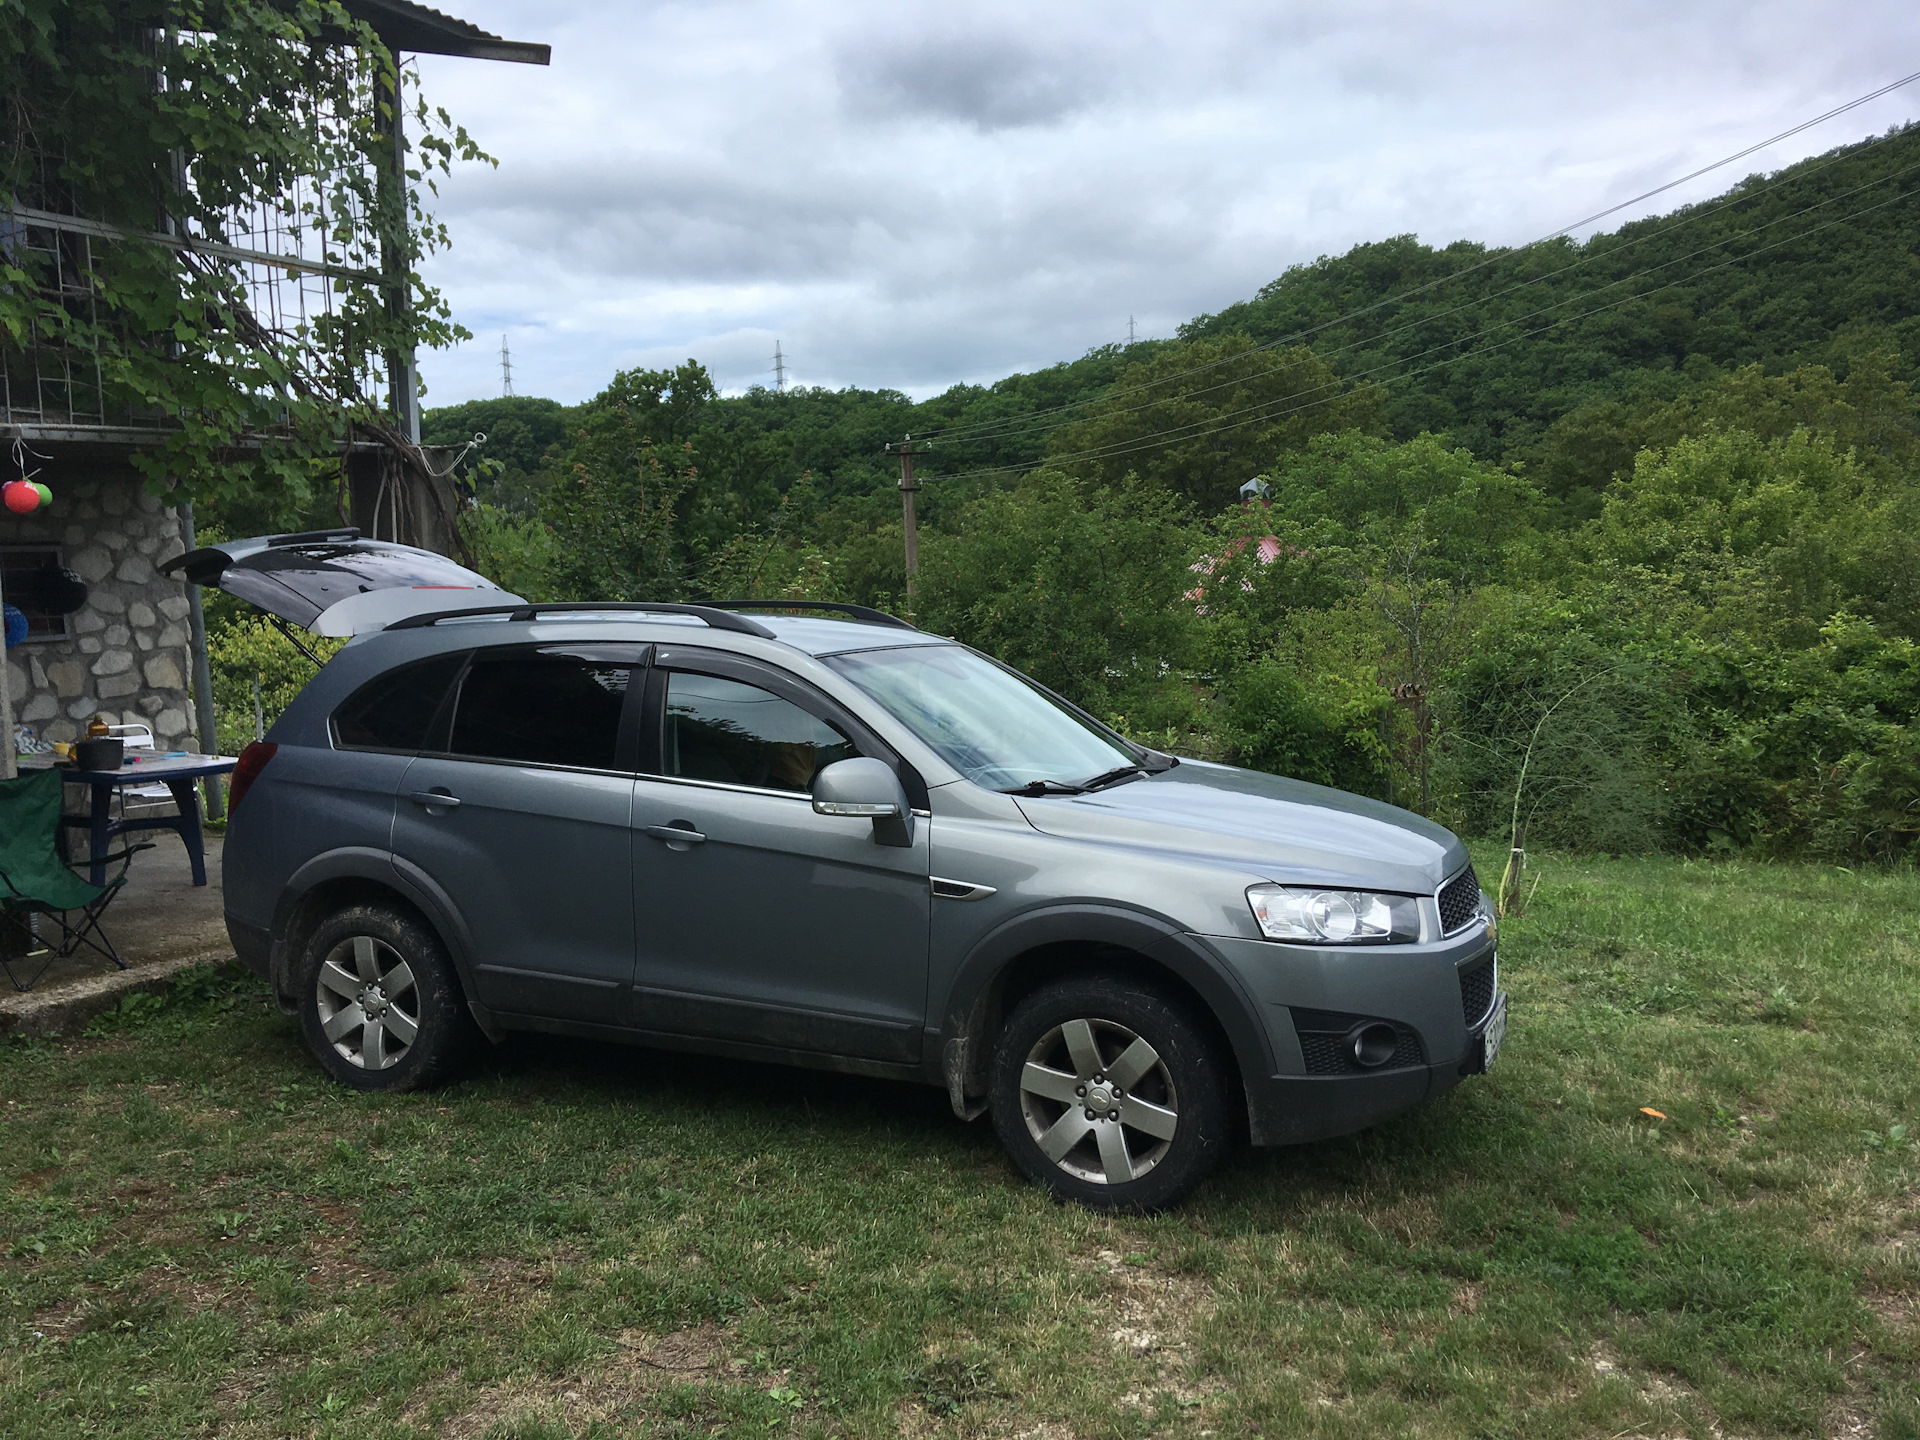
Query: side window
(394, 710)
(742, 735)
(541, 710)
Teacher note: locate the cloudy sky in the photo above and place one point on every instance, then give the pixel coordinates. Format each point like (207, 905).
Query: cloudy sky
(910, 195)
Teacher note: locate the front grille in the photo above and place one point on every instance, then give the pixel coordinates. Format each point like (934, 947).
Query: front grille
(1459, 901)
(1476, 992)
(1323, 1043)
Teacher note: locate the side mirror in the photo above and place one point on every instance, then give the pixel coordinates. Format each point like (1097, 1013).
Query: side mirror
(865, 787)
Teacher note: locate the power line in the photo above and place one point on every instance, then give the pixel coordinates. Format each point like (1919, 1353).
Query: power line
(506, 369)
(1520, 285)
(987, 428)
(779, 370)
(1202, 429)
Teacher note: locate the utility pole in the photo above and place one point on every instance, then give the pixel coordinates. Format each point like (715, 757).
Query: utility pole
(909, 487)
(506, 369)
(779, 369)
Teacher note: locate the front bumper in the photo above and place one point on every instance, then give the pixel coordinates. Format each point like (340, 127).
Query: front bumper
(1436, 998)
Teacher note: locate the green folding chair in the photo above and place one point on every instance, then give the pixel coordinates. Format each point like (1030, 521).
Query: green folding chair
(35, 882)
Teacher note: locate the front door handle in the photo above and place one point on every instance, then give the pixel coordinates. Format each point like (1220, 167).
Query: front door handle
(435, 799)
(678, 835)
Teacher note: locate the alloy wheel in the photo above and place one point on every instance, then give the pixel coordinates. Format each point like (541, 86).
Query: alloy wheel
(369, 1002)
(1098, 1101)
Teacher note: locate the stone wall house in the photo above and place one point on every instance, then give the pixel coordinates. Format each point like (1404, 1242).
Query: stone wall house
(125, 653)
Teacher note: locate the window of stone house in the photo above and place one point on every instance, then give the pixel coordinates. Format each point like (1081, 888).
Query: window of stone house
(33, 582)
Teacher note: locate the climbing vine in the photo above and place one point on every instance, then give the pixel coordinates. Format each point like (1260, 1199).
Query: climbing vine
(229, 126)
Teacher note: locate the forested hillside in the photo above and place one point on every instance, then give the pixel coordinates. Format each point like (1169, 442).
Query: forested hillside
(1610, 543)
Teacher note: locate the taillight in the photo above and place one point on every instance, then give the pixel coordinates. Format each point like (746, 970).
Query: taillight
(253, 760)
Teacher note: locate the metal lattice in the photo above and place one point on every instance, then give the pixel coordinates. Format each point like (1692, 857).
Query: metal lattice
(289, 261)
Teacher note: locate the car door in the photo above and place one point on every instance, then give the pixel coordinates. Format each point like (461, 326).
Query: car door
(520, 815)
(328, 800)
(757, 919)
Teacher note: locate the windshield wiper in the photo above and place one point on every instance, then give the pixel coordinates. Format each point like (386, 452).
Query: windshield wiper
(1037, 788)
(1113, 776)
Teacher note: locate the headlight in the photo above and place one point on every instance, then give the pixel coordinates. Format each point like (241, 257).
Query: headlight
(1334, 917)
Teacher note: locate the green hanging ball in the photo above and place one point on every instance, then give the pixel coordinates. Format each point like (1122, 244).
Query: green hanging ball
(46, 495)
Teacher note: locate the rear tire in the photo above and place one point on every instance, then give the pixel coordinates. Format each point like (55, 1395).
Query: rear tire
(380, 1005)
(1108, 1092)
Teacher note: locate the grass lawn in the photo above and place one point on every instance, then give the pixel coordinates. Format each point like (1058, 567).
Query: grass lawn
(199, 1235)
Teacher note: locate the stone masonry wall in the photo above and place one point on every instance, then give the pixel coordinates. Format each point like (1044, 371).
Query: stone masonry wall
(126, 655)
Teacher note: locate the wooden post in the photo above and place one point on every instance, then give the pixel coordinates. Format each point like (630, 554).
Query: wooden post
(201, 667)
(909, 487)
(403, 376)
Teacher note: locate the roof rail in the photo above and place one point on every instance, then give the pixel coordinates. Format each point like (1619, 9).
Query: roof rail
(715, 618)
(864, 613)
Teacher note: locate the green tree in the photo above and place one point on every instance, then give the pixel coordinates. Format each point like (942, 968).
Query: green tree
(1809, 265)
(1763, 536)
(612, 512)
(1202, 418)
(1081, 587)
(1870, 412)
(523, 434)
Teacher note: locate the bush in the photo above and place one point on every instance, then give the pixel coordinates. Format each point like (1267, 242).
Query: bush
(240, 646)
(1275, 720)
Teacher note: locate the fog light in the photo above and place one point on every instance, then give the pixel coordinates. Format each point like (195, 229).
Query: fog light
(1372, 1045)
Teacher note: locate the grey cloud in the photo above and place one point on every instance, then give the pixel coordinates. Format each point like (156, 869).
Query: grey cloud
(988, 81)
(909, 196)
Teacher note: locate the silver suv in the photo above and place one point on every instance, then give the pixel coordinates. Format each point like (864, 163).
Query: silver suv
(828, 838)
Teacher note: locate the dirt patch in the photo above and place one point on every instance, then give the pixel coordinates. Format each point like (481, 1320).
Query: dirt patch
(1899, 1310)
(60, 1322)
(509, 1286)
(34, 1181)
(334, 1248)
(148, 1212)
(1150, 1313)
(1668, 1393)
(1845, 1421)
(1902, 1243)
(699, 1351)
(236, 1394)
(617, 1387)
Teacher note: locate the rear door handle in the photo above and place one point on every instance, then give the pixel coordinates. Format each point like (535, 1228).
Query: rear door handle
(682, 834)
(432, 798)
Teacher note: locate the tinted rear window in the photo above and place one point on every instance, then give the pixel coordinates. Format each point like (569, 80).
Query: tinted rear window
(541, 710)
(394, 711)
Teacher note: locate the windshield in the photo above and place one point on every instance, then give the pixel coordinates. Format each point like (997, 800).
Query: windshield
(986, 722)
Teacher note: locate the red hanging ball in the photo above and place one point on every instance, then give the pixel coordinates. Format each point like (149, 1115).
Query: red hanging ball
(20, 497)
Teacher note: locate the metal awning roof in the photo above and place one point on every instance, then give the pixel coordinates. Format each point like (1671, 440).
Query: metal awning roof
(423, 31)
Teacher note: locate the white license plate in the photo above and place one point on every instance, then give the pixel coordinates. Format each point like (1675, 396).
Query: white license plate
(1495, 1035)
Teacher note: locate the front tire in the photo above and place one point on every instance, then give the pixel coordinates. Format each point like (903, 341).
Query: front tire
(380, 1006)
(1109, 1093)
